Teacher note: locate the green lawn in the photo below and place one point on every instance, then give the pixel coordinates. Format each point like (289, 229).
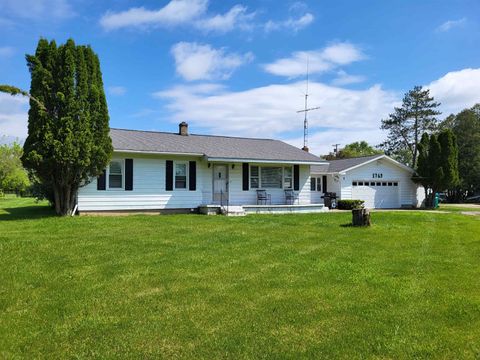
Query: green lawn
(191, 286)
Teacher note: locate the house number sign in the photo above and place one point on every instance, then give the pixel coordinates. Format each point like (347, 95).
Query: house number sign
(377, 175)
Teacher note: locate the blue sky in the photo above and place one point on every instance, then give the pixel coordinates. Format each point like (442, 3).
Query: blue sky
(238, 67)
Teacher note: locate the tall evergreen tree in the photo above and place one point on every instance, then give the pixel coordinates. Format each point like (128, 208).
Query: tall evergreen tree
(406, 124)
(449, 157)
(437, 166)
(466, 127)
(423, 172)
(68, 124)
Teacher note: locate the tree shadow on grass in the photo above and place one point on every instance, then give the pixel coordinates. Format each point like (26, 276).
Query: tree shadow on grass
(26, 213)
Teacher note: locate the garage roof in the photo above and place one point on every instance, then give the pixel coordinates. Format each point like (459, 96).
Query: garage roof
(336, 166)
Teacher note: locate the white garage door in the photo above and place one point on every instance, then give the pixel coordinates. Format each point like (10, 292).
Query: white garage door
(377, 194)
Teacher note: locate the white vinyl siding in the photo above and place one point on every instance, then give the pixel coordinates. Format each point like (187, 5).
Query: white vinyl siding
(149, 187)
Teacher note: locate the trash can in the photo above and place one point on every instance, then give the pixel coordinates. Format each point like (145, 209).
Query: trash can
(330, 200)
(436, 201)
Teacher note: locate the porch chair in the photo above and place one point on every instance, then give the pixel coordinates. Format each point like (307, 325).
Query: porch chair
(290, 197)
(263, 198)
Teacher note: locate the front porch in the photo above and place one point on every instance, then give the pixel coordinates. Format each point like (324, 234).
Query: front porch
(261, 209)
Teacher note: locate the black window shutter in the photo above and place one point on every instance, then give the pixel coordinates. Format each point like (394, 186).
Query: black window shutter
(128, 174)
(313, 184)
(102, 181)
(192, 175)
(324, 181)
(169, 175)
(296, 177)
(246, 176)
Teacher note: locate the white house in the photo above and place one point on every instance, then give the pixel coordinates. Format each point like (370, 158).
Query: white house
(379, 180)
(181, 172)
(166, 172)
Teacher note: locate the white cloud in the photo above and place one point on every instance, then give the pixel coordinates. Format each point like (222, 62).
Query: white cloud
(300, 18)
(322, 60)
(180, 12)
(6, 51)
(37, 9)
(236, 17)
(117, 90)
(294, 24)
(202, 62)
(457, 90)
(450, 24)
(13, 116)
(174, 13)
(270, 111)
(345, 79)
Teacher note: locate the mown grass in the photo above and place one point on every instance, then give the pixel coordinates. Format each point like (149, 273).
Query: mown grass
(191, 286)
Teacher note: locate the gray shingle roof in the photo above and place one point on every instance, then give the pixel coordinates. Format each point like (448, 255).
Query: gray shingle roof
(208, 145)
(343, 164)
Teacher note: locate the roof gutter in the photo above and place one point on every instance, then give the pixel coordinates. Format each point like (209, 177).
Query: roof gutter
(221, 159)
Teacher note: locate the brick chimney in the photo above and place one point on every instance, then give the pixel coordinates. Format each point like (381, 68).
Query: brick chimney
(183, 129)
(305, 148)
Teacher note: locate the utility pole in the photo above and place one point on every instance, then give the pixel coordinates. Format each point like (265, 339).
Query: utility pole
(335, 149)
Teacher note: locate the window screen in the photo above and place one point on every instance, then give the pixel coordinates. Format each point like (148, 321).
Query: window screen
(115, 175)
(271, 177)
(181, 176)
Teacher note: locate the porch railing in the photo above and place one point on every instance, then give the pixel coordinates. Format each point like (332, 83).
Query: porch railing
(223, 201)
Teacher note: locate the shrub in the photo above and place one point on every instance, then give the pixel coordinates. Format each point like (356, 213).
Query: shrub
(350, 204)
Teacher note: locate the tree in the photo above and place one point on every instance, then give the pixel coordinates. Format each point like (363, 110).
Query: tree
(405, 125)
(13, 177)
(437, 166)
(68, 133)
(466, 127)
(355, 149)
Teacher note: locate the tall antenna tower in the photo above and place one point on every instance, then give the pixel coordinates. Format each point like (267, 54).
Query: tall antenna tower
(306, 110)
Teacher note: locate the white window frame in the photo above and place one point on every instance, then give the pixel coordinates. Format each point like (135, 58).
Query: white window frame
(175, 175)
(107, 180)
(283, 187)
(257, 177)
(319, 180)
(291, 177)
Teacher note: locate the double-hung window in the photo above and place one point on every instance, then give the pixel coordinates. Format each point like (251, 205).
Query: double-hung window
(115, 174)
(254, 177)
(316, 184)
(180, 175)
(287, 177)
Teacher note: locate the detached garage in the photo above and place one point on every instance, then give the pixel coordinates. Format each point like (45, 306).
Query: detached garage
(380, 181)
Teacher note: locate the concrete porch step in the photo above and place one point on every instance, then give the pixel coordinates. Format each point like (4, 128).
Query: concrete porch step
(233, 211)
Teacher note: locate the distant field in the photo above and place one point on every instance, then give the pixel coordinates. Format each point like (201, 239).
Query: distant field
(261, 286)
